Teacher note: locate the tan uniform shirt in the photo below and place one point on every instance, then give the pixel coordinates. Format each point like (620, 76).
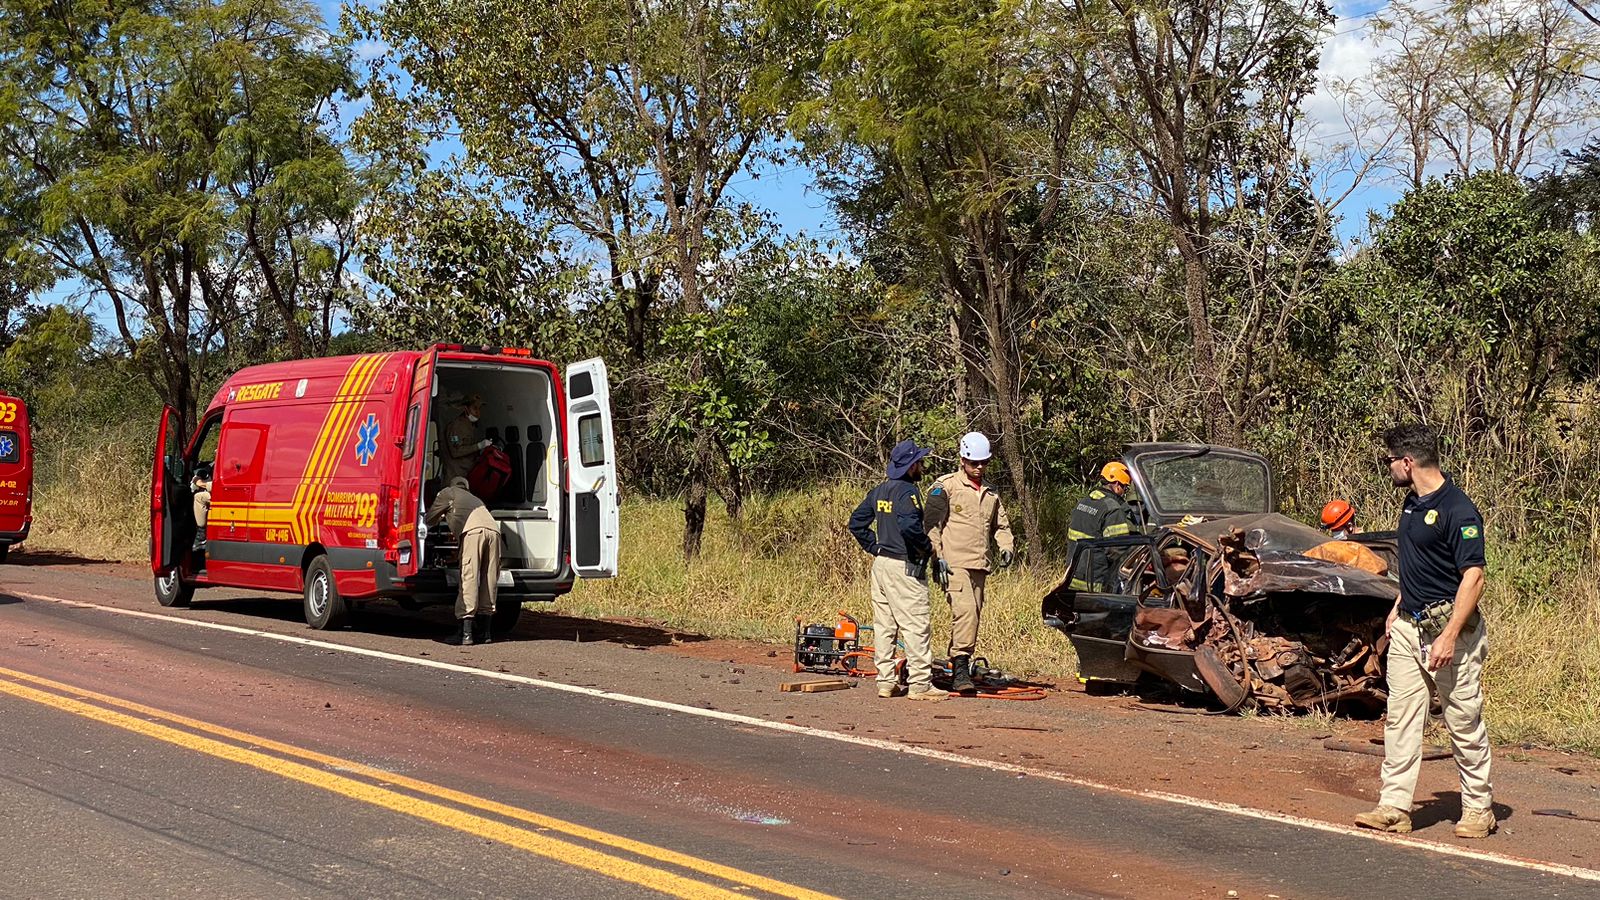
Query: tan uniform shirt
(460, 447)
(961, 520)
(462, 511)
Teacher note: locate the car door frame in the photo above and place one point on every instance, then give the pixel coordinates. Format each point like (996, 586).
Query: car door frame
(1101, 656)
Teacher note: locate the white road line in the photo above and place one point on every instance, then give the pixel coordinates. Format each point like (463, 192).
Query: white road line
(877, 743)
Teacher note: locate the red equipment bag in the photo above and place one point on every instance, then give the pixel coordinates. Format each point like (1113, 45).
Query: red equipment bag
(490, 473)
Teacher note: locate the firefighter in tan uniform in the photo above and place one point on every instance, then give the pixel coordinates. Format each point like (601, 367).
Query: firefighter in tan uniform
(201, 485)
(461, 442)
(480, 558)
(964, 516)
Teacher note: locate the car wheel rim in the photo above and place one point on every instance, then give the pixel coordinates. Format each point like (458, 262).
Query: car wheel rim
(319, 596)
(168, 582)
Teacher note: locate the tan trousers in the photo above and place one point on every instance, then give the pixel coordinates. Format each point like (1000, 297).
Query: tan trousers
(966, 607)
(900, 610)
(480, 572)
(1459, 686)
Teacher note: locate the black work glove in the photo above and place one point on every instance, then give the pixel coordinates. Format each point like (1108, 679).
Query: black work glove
(1007, 558)
(941, 574)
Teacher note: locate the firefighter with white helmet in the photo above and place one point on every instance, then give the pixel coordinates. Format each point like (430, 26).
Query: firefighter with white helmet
(964, 516)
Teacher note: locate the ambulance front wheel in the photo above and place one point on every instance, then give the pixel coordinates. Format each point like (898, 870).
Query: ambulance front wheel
(5, 549)
(171, 591)
(324, 607)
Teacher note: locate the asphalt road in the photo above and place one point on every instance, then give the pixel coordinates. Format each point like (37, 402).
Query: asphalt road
(146, 757)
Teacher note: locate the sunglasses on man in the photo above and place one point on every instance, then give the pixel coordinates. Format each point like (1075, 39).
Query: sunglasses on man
(1385, 462)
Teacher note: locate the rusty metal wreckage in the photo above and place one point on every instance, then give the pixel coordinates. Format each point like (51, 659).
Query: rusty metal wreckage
(1223, 597)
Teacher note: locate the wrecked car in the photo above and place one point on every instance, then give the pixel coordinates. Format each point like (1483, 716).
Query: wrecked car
(1221, 596)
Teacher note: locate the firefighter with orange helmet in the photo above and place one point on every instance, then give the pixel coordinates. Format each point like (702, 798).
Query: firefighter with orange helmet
(1339, 519)
(1103, 513)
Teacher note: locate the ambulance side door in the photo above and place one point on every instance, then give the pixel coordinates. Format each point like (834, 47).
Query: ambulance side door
(593, 531)
(234, 530)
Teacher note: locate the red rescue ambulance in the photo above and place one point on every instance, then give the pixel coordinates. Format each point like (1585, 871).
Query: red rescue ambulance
(16, 474)
(324, 468)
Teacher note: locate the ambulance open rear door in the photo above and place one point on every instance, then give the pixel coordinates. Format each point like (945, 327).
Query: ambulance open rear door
(591, 471)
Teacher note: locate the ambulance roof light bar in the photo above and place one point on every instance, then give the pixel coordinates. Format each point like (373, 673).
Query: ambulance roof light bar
(523, 352)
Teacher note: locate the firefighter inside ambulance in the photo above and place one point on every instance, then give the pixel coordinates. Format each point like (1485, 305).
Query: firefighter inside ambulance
(461, 441)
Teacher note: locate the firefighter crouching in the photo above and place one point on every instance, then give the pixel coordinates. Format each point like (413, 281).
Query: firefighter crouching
(1103, 513)
(480, 558)
(888, 525)
(963, 515)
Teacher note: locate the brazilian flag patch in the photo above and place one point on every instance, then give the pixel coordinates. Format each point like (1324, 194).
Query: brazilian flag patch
(1469, 532)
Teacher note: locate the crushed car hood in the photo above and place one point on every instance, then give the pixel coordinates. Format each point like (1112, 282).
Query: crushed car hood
(1265, 553)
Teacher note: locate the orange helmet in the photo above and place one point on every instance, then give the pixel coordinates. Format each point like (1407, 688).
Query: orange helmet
(1338, 514)
(1115, 471)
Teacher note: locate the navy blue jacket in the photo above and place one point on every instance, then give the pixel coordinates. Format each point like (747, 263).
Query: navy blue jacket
(889, 522)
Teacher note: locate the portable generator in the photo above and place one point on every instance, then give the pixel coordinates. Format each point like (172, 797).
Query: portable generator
(832, 649)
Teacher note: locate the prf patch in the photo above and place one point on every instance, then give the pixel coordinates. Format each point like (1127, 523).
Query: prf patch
(249, 392)
(1431, 517)
(1469, 532)
(886, 506)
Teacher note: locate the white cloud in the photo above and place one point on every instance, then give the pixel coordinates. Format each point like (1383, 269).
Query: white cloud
(370, 50)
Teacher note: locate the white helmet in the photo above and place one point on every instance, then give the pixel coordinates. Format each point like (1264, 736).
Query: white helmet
(974, 446)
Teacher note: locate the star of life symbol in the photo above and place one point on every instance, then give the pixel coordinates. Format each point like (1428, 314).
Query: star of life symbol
(367, 443)
(7, 447)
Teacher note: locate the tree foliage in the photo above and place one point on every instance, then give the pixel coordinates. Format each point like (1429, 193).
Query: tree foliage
(173, 157)
(1068, 224)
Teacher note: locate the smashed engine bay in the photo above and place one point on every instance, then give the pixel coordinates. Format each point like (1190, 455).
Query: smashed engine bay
(1271, 611)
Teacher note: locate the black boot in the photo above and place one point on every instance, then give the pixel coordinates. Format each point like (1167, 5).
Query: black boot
(961, 675)
(464, 638)
(483, 630)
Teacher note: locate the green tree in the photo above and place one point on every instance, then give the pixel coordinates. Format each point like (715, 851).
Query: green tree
(941, 128)
(1205, 97)
(175, 158)
(447, 264)
(1474, 287)
(621, 121)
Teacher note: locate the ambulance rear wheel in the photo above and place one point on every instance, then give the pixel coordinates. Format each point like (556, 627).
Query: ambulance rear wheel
(4, 550)
(171, 591)
(325, 609)
(505, 618)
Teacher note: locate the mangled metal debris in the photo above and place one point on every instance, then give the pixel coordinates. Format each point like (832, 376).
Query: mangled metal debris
(1252, 607)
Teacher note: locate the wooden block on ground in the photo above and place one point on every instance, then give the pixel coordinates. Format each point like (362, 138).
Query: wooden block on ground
(1377, 749)
(814, 687)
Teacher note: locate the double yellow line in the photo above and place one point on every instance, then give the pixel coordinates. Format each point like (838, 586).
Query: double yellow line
(653, 874)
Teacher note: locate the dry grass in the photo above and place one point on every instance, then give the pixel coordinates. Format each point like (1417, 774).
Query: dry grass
(791, 556)
(92, 493)
(1542, 678)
